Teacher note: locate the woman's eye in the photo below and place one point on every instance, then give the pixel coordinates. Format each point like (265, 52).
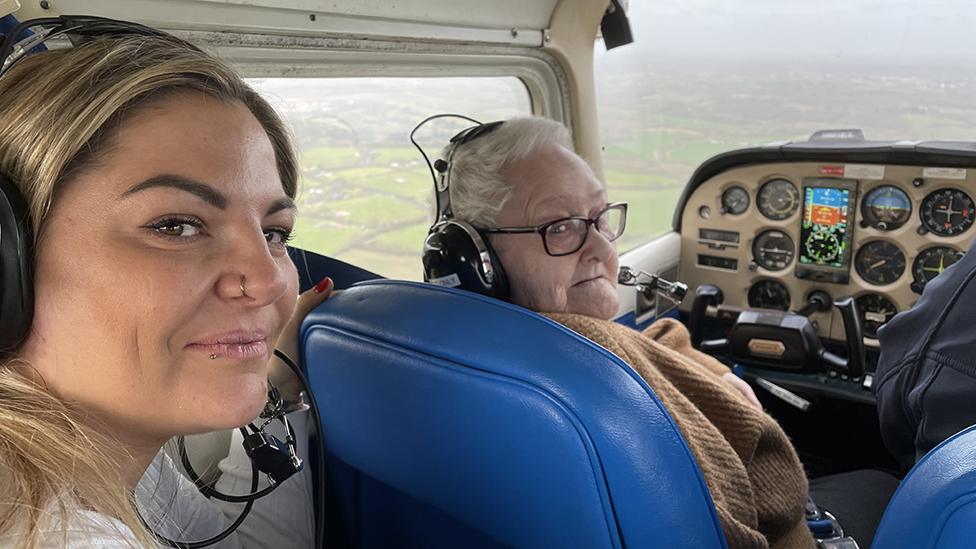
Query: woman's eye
(562, 230)
(177, 228)
(559, 228)
(278, 237)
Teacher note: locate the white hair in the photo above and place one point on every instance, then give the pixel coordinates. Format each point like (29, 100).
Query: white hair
(478, 190)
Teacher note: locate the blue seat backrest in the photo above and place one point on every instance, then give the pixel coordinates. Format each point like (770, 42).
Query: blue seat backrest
(935, 506)
(313, 267)
(468, 422)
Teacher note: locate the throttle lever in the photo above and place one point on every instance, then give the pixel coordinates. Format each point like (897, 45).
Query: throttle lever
(706, 296)
(853, 365)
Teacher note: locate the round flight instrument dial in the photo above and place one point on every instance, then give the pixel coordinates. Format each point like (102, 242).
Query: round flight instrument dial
(822, 246)
(773, 250)
(886, 208)
(778, 199)
(875, 311)
(930, 263)
(947, 212)
(880, 262)
(735, 200)
(769, 294)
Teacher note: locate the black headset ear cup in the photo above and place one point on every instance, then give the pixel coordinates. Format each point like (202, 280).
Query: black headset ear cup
(16, 258)
(459, 256)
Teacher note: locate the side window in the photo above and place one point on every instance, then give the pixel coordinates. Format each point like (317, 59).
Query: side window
(366, 192)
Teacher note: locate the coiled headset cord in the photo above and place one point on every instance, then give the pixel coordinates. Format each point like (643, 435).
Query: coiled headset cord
(248, 499)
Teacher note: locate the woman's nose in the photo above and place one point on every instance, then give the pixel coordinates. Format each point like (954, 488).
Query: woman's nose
(597, 246)
(254, 274)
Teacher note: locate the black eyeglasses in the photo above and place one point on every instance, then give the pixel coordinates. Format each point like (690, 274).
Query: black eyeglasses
(567, 235)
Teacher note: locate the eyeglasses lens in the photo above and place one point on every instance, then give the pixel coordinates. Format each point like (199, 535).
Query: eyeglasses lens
(611, 223)
(566, 236)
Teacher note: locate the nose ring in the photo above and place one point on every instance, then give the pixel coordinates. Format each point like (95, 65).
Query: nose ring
(243, 289)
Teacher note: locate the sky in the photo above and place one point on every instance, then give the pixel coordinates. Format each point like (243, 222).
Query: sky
(847, 32)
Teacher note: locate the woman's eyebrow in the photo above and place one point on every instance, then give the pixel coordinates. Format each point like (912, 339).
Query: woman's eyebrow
(281, 204)
(203, 191)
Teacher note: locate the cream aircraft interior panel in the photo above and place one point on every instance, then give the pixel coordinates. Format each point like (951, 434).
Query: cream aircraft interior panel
(904, 225)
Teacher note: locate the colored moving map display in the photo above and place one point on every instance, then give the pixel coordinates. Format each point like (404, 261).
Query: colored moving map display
(825, 223)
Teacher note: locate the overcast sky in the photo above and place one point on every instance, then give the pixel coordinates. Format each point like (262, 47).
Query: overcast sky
(891, 32)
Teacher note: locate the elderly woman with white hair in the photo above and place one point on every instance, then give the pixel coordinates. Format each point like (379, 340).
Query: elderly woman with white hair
(544, 217)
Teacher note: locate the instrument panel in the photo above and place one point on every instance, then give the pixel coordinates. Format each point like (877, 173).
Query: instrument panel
(768, 235)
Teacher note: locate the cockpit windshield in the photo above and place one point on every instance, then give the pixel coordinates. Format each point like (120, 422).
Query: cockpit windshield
(707, 76)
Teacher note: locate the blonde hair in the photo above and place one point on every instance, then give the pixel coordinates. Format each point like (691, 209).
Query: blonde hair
(58, 114)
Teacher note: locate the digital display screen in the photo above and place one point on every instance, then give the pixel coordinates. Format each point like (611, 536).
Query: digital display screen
(720, 236)
(826, 232)
(729, 263)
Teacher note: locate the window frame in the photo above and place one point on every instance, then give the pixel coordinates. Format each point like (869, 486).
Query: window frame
(266, 56)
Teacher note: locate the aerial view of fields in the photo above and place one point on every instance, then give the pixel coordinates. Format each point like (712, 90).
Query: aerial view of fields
(665, 106)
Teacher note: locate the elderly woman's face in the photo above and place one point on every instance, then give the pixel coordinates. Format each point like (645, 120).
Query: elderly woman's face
(140, 316)
(550, 184)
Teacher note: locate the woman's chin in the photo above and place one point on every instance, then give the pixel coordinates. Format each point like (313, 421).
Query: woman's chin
(596, 300)
(230, 411)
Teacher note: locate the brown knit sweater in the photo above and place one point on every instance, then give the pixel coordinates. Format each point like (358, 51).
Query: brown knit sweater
(753, 473)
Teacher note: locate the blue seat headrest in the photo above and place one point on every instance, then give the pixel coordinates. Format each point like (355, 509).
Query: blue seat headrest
(498, 424)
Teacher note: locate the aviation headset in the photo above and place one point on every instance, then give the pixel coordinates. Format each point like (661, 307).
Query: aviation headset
(16, 238)
(269, 455)
(456, 254)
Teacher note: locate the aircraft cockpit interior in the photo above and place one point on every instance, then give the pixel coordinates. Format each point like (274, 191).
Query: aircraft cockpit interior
(796, 254)
(778, 187)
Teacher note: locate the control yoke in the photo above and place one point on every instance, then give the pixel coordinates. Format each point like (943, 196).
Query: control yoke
(652, 284)
(780, 340)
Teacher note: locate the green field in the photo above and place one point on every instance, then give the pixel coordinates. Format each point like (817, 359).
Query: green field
(372, 207)
(649, 214)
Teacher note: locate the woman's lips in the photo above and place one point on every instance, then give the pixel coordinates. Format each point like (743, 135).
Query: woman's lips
(238, 351)
(241, 345)
(588, 281)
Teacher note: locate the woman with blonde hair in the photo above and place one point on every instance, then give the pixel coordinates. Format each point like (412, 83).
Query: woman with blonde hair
(146, 196)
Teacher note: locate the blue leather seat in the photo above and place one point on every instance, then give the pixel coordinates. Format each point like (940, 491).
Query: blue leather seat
(935, 505)
(454, 420)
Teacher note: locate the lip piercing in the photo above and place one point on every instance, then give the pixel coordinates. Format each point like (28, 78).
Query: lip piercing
(243, 289)
(213, 356)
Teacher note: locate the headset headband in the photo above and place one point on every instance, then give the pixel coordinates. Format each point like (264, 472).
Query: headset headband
(16, 239)
(77, 28)
(442, 184)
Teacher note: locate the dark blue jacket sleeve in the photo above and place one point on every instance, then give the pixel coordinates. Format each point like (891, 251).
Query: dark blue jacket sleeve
(926, 378)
